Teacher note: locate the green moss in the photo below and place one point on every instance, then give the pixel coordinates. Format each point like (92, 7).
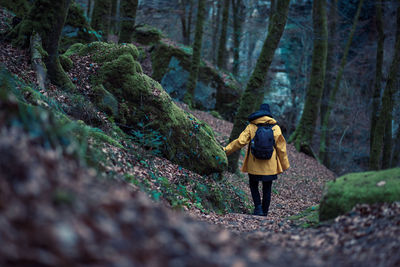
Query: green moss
(100, 137)
(114, 75)
(59, 77)
(307, 218)
(147, 35)
(105, 101)
(228, 89)
(215, 114)
(66, 62)
(103, 52)
(31, 96)
(356, 188)
(74, 49)
(161, 57)
(187, 141)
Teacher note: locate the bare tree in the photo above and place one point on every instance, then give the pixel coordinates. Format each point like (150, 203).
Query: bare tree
(335, 89)
(129, 8)
(101, 17)
(387, 101)
(238, 18)
(302, 136)
(196, 57)
(254, 93)
(221, 58)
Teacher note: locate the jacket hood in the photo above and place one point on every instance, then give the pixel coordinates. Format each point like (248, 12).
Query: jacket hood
(264, 119)
(263, 111)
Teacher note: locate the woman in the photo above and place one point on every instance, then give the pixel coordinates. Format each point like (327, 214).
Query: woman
(264, 170)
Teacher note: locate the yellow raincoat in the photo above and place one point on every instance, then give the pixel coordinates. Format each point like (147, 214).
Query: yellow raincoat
(276, 164)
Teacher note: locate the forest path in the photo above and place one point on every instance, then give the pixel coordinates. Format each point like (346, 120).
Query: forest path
(298, 188)
(367, 236)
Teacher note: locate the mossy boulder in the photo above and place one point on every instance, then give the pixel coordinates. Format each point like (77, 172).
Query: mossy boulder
(74, 49)
(105, 101)
(215, 90)
(142, 101)
(345, 192)
(103, 52)
(146, 35)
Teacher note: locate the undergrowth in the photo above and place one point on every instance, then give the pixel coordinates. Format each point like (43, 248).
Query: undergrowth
(307, 218)
(66, 129)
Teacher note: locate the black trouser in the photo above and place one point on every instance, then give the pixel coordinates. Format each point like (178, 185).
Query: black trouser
(266, 198)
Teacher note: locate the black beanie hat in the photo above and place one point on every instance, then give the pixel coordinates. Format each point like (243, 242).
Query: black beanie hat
(264, 111)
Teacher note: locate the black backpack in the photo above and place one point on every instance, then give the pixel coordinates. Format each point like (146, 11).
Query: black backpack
(263, 143)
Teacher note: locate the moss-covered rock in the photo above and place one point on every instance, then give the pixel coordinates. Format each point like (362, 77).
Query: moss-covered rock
(356, 188)
(147, 35)
(74, 49)
(105, 101)
(102, 52)
(142, 101)
(215, 89)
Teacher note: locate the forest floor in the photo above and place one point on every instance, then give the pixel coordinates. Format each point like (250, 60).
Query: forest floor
(368, 235)
(58, 213)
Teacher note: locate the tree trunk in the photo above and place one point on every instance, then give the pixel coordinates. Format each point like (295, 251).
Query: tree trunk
(254, 93)
(85, 8)
(396, 150)
(238, 18)
(272, 11)
(386, 106)
(129, 8)
(101, 17)
(186, 21)
(196, 57)
(302, 136)
(378, 72)
(114, 17)
(217, 23)
(37, 60)
(221, 58)
(250, 50)
(46, 18)
(91, 9)
(118, 16)
(331, 62)
(387, 142)
(189, 22)
(183, 23)
(335, 89)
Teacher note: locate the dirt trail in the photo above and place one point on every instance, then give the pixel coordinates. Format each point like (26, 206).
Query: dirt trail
(367, 236)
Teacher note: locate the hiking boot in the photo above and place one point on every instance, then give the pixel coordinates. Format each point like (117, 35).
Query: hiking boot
(258, 211)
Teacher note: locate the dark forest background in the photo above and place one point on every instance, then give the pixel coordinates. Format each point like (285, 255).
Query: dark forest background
(289, 74)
